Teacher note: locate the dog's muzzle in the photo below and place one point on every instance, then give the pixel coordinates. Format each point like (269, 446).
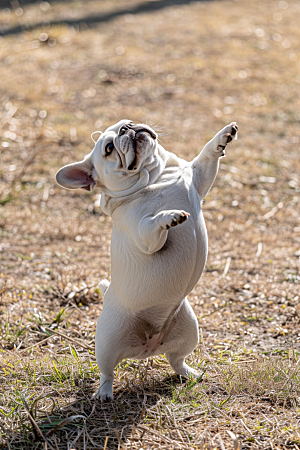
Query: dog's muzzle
(131, 135)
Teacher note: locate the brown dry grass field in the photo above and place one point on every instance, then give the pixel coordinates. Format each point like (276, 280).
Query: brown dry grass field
(69, 68)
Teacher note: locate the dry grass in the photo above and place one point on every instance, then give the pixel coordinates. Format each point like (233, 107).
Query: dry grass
(189, 68)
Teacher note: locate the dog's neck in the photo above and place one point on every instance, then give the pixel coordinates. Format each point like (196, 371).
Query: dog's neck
(148, 176)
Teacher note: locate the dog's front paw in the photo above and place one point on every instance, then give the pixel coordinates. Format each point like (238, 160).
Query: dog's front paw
(174, 218)
(225, 136)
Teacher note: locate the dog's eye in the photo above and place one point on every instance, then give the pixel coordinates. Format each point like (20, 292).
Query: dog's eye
(109, 148)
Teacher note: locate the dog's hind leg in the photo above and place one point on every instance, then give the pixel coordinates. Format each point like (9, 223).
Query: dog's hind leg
(185, 340)
(105, 391)
(109, 343)
(206, 165)
(107, 359)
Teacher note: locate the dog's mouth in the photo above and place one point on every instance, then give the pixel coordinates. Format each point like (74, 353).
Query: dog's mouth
(132, 140)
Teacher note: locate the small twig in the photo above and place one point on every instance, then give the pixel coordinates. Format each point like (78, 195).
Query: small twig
(35, 425)
(64, 422)
(18, 177)
(259, 249)
(5, 288)
(272, 212)
(227, 265)
(118, 437)
(203, 347)
(55, 442)
(105, 443)
(9, 115)
(87, 347)
(173, 420)
(80, 432)
(37, 343)
(158, 435)
(212, 312)
(92, 441)
(71, 339)
(87, 287)
(236, 445)
(26, 164)
(245, 426)
(221, 443)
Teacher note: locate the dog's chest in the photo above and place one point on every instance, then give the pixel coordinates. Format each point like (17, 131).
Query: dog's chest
(170, 273)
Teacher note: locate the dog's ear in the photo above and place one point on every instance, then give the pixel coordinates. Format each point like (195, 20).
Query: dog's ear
(77, 175)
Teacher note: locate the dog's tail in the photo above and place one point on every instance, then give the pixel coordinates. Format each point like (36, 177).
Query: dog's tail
(103, 285)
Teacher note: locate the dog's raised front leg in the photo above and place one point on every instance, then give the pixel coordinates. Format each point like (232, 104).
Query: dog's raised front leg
(206, 165)
(153, 230)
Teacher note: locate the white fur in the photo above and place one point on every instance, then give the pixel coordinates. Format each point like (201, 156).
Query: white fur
(158, 243)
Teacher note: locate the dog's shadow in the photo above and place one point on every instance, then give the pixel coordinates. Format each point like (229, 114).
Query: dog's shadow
(115, 422)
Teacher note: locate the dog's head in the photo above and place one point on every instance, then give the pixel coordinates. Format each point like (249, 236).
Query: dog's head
(116, 161)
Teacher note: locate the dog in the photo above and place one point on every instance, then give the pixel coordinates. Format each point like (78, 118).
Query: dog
(158, 243)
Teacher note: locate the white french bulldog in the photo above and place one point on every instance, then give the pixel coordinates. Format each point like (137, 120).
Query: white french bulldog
(158, 243)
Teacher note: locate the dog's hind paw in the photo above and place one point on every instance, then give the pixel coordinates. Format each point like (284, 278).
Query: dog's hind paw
(106, 396)
(187, 371)
(105, 391)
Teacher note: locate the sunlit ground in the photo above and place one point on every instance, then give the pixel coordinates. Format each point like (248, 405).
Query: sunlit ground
(70, 68)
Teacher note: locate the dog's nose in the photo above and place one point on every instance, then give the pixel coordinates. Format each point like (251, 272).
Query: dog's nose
(124, 129)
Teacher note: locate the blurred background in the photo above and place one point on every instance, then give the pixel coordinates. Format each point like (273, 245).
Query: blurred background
(69, 68)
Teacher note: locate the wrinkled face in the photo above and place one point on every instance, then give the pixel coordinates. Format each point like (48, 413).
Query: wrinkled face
(121, 151)
(116, 160)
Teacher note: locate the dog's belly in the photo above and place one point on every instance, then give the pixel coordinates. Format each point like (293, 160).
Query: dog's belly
(140, 281)
(149, 346)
